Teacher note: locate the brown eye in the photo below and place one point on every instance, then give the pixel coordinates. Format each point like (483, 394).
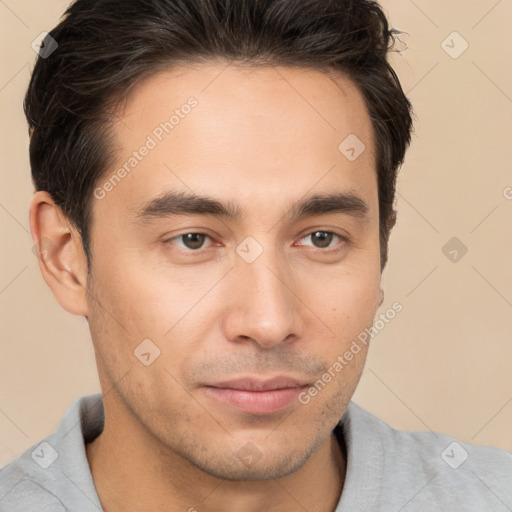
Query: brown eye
(192, 241)
(323, 239)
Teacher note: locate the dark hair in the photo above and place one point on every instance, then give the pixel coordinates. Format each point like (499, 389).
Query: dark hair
(106, 46)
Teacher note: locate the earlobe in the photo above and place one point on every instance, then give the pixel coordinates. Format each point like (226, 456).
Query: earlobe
(60, 254)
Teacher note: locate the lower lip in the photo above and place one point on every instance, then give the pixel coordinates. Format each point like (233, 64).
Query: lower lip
(256, 402)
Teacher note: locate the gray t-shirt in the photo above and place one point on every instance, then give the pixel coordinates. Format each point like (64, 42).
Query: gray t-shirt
(387, 469)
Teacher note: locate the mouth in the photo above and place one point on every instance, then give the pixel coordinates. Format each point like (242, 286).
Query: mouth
(255, 396)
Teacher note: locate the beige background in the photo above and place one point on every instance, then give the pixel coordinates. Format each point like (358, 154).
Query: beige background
(444, 362)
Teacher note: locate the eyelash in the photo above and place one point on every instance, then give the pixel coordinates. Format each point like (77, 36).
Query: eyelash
(342, 238)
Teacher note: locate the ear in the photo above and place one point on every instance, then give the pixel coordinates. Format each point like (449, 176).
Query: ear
(60, 254)
(381, 299)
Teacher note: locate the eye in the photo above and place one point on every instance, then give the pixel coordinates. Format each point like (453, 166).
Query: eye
(194, 242)
(323, 239)
(191, 241)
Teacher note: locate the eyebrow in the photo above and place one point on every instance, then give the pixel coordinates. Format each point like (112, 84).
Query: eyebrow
(183, 203)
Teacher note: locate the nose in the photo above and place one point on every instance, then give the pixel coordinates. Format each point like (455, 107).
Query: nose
(263, 305)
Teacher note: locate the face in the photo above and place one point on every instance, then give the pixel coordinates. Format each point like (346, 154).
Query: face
(261, 280)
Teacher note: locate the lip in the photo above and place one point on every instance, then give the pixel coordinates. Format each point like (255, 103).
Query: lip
(256, 396)
(255, 384)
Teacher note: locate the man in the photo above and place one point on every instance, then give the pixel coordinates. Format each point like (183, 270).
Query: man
(214, 193)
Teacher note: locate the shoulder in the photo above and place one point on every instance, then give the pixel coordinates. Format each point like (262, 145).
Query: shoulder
(24, 482)
(427, 468)
(49, 474)
(19, 493)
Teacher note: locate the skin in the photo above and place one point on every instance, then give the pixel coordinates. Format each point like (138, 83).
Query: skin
(262, 139)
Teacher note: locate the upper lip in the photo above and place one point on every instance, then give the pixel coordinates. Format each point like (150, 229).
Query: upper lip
(254, 384)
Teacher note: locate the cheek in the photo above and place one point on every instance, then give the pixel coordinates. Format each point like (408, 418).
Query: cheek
(346, 303)
(148, 296)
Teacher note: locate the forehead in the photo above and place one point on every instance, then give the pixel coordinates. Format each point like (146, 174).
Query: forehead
(257, 134)
(275, 97)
